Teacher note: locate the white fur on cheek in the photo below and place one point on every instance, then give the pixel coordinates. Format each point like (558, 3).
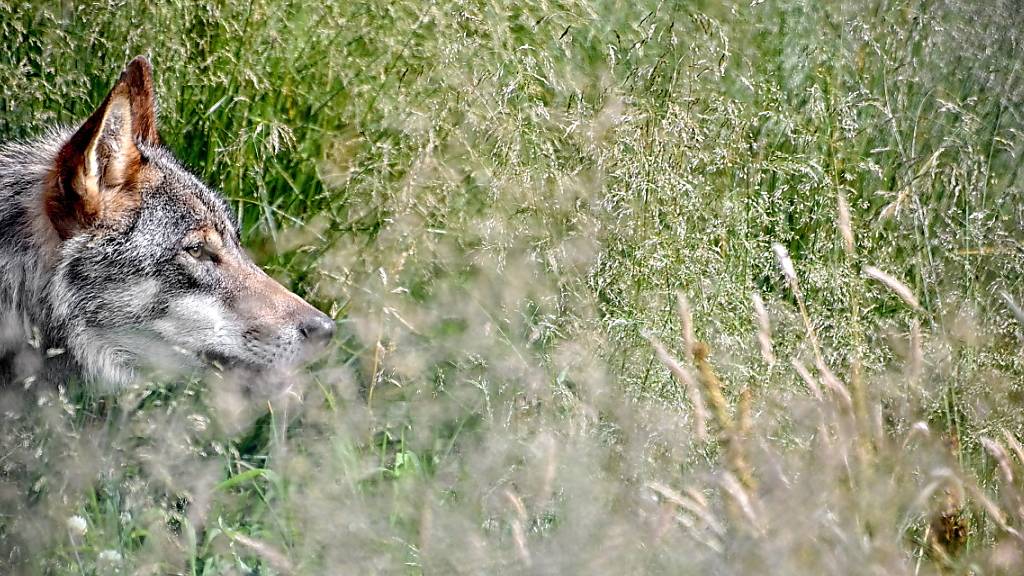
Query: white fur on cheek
(197, 323)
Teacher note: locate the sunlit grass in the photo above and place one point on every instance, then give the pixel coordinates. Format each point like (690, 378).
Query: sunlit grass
(500, 203)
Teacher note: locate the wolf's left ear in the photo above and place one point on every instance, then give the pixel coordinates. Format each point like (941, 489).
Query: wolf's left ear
(96, 168)
(138, 78)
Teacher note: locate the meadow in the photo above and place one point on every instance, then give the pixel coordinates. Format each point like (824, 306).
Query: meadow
(622, 288)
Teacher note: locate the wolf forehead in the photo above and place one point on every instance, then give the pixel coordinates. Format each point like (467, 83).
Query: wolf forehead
(172, 198)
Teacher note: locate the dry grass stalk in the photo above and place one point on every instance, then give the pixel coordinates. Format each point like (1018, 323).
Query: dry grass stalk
(843, 222)
(1010, 490)
(890, 282)
(864, 420)
(831, 381)
(697, 507)
(549, 453)
(743, 412)
(918, 429)
(712, 387)
(916, 352)
(998, 453)
(731, 434)
(273, 557)
(687, 381)
(1017, 311)
(517, 504)
(808, 378)
(740, 500)
(686, 322)
(519, 537)
(1015, 446)
(764, 331)
(789, 271)
(518, 523)
(995, 513)
(834, 384)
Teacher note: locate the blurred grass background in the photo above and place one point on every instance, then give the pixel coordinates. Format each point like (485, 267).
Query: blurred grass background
(499, 202)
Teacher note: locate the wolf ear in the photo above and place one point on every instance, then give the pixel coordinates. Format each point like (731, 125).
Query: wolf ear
(96, 168)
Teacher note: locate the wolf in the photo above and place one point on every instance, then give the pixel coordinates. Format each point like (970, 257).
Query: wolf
(116, 260)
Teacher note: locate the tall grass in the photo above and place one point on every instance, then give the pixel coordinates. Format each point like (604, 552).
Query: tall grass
(661, 288)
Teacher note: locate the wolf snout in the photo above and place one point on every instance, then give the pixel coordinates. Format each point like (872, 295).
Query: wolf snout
(317, 330)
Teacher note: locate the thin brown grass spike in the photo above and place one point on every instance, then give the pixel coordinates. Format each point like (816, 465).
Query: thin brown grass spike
(764, 329)
(789, 271)
(744, 417)
(834, 384)
(741, 500)
(685, 379)
(686, 322)
(712, 387)
(1001, 457)
(731, 434)
(843, 222)
(517, 524)
(916, 352)
(1015, 446)
(808, 378)
(695, 507)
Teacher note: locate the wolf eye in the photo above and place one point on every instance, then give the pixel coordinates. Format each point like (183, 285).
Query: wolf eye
(196, 251)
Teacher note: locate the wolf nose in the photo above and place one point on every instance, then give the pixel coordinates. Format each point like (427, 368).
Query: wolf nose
(318, 330)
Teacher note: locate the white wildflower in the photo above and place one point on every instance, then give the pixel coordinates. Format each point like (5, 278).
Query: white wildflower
(77, 526)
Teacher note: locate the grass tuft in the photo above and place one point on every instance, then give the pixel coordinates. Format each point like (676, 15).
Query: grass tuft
(500, 203)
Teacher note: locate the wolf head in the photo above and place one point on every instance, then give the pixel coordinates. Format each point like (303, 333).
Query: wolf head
(148, 269)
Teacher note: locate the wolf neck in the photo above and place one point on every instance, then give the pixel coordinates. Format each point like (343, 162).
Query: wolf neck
(27, 257)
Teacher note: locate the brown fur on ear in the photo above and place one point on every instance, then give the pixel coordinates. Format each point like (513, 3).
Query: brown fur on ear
(138, 76)
(96, 170)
